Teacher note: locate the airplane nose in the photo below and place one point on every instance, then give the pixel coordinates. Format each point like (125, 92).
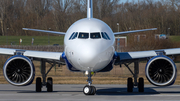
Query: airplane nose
(92, 56)
(88, 57)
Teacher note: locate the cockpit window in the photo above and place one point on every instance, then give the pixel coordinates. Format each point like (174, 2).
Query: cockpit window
(95, 35)
(71, 36)
(105, 36)
(75, 35)
(83, 35)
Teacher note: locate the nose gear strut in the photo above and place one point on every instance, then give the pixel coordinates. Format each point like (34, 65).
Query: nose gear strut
(88, 89)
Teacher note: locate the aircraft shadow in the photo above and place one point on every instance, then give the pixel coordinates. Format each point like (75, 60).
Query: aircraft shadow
(123, 91)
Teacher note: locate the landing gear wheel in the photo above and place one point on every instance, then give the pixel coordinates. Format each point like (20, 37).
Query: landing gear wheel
(93, 92)
(38, 84)
(141, 85)
(87, 90)
(49, 84)
(130, 85)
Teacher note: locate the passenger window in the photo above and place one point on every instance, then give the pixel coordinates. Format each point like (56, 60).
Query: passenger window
(83, 35)
(75, 35)
(95, 36)
(71, 36)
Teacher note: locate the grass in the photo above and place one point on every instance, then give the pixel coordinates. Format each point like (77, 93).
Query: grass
(26, 40)
(175, 38)
(43, 40)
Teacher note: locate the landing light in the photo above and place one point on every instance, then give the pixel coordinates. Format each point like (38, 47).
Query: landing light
(87, 73)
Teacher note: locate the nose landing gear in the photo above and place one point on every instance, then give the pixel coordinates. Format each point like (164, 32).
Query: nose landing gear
(88, 89)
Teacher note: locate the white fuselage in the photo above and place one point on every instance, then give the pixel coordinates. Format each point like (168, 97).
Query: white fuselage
(89, 54)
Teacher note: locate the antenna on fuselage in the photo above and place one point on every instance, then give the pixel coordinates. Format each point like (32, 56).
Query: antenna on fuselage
(89, 8)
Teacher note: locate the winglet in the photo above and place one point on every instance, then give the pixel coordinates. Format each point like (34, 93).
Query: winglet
(89, 8)
(25, 29)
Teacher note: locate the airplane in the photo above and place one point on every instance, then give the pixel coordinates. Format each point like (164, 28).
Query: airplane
(89, 48)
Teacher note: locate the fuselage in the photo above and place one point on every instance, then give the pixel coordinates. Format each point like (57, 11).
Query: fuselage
(89, 45)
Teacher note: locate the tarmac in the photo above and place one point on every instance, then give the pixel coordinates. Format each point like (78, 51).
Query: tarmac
(74, 93)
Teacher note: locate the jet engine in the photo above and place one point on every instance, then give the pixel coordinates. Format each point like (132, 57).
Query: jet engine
(161, 71)
(19, 70)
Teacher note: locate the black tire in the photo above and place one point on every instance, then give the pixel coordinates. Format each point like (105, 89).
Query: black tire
(141, 85)
(38, 84)
(49, 84)
(93, 92)
(87, 90)
(130, 85)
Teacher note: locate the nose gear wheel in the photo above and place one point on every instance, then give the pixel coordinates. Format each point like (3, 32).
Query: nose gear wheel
(89, 90)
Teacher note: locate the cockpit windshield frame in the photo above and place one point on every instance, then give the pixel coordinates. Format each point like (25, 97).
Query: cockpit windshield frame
(86, 35)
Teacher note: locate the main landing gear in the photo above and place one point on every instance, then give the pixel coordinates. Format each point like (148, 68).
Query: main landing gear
(49, 83)
(130, 84)
(88, 89)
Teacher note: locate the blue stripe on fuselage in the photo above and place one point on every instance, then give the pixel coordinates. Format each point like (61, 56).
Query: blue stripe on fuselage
(69, 66)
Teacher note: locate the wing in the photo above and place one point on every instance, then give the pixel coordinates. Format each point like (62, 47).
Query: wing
(134, 31)
(45, 31)
(160, 70)
(55, 56)
(128, 56)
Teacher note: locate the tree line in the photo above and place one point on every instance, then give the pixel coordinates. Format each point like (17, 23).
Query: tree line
(58, 15)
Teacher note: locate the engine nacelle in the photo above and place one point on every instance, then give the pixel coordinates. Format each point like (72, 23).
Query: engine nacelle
(161, 71)
(19, 70)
